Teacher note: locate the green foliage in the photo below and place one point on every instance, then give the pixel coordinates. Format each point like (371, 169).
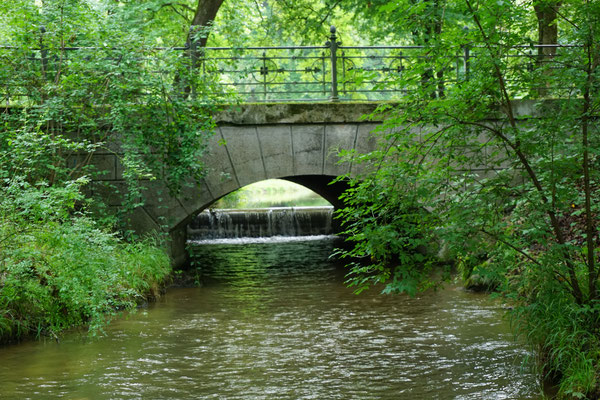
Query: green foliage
(568, 339)
(390, 232)
(298, 22)
(60, 267)
(514, 193)
(56, 275)
(115, 88)
(271, 193)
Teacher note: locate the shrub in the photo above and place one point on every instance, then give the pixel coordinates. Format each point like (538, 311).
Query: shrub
(54, 276)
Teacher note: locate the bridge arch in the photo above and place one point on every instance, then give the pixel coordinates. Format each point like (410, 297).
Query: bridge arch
(242, 155)
(306, 154)
(296, 142)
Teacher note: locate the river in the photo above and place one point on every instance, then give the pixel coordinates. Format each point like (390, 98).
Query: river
(273, 320)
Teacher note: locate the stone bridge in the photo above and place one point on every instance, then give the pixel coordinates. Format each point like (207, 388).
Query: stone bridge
(298, 142)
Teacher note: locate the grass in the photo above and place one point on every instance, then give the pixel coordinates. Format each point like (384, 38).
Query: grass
(55, 276)
(566, 338)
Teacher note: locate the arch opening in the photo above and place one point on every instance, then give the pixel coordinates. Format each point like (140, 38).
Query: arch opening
(271, 193)
(269, 208)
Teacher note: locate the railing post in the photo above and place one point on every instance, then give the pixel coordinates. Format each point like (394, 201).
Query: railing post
(323, 69)
(344, 80)
(264, 71)
(467, 55)
(43, 52)
(333, 46)
(467, 63)
(400, 71)
(193, 60)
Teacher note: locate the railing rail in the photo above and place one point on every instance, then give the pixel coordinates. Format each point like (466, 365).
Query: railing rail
(331, 72)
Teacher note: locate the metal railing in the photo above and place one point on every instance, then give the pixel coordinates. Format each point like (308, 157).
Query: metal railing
(321, 73)
(331, 72)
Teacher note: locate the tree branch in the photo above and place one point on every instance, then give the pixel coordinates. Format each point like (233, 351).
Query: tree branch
(493, 236)
(516, 146)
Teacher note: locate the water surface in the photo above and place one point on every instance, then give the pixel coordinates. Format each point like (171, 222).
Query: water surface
(274, 321)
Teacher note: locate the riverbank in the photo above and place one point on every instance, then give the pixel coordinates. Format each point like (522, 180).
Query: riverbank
(55, 276)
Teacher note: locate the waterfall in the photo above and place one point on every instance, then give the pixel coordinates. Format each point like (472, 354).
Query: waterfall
(261, 222)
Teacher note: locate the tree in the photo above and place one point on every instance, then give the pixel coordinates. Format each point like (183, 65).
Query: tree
(104, 90)
(546, 13)
(512, 196)
(201, 22)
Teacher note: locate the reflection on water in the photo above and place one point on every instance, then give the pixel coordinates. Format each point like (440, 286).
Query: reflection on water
(273, 321)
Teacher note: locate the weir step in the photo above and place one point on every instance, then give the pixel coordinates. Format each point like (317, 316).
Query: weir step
(261, 222)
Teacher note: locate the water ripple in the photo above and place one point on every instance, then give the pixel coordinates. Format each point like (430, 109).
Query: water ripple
(274, 321)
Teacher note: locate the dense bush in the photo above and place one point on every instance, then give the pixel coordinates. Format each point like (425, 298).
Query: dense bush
(58, 268)
(57, 275)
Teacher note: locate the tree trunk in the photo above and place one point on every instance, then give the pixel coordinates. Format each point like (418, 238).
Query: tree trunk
(546, 12)
(206, 11)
